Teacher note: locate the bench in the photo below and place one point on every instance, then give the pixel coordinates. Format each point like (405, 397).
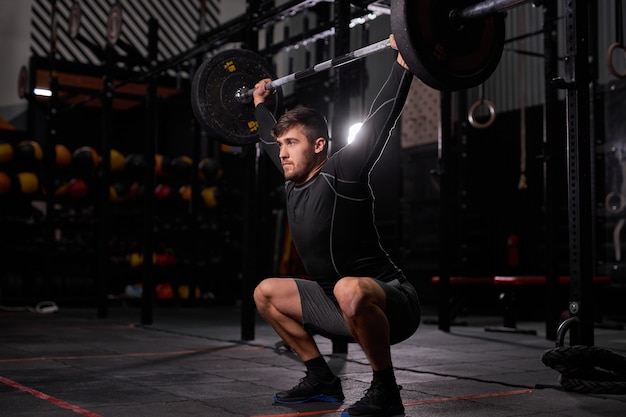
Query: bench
(510, 285)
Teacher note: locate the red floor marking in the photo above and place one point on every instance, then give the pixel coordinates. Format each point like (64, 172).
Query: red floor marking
(303, 413)
(48, 398)
(131, 355)
(471, 397)
(431, 401)
(70, 327)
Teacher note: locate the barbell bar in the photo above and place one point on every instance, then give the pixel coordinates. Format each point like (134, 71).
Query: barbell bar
(245, 93)
(474, 11)
(449, 45)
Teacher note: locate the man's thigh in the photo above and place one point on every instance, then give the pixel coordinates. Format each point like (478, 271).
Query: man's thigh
(321, 314)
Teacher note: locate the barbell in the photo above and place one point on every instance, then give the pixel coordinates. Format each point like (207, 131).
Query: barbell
(449, 45)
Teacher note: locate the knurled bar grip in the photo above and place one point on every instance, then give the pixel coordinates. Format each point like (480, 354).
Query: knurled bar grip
(331, 63)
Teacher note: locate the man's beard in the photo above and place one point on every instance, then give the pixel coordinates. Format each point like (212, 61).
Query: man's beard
(299, 174)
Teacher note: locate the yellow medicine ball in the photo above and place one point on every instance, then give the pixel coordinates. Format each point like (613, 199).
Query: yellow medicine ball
(6, 151)
(28, 182)
(118, 162)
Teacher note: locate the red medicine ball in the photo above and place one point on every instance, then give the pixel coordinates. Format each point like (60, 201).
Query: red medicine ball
(77, 189)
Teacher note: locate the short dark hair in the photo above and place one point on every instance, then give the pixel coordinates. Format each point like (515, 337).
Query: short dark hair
(313, 123)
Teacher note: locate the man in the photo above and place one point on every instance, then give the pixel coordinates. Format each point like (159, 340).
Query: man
(356, 293)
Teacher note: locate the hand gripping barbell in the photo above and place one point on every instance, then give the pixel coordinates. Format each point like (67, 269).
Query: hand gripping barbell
(450, 45)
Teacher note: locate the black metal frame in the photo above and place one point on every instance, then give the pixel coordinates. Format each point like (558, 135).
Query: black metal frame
(577, 81)
(551, 167)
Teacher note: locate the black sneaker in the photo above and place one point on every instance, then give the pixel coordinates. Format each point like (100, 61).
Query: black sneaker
(377, 402)
(308, 390)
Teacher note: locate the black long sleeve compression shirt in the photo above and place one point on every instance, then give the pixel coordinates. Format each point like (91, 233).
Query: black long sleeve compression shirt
(331, 216)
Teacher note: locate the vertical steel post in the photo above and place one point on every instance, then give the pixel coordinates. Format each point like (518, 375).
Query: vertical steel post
(579, 169)
(250, 220)
(51, 140)
(551, 168)
(104, 180)
(341, 102)
(250, 246)
(447, 214)
(150, 139)
(342, 82)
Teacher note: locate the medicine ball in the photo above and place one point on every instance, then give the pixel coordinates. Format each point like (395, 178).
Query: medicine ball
(61, 188)
(5, 183)
(165, 193)
(135, 259)
(164, 291)
(210, 196)
(77, 189)
(209, 170)
(164, 259)
(118, 192)
(29, 153)
(137, 191)
(185, 192)
(6, 151)
(162, 165)
(182, 166)
(28, 182)
(63, 156)
(135, 163)
(118, 162)
(85, 159)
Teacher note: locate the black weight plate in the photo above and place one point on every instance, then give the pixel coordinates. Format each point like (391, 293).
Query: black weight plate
(214, 95)
(447, 55)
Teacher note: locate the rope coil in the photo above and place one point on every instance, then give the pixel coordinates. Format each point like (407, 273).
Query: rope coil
(586, 369)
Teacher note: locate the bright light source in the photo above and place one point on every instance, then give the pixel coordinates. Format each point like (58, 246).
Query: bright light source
(354, 129)
(42, 92)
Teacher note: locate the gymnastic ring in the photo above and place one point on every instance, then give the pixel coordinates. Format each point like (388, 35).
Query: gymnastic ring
(612, 208)
(609, 58)
(492, 114)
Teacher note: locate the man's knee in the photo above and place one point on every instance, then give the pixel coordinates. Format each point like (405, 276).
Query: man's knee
(263, 292)
(278, 297)
(274, 289)
(354, 294)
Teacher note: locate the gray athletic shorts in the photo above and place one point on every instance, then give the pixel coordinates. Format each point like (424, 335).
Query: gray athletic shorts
(321, 313)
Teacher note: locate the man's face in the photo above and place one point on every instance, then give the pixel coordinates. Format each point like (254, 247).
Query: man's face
(299, 157)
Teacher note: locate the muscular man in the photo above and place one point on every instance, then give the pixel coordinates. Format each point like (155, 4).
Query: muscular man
(356, 293)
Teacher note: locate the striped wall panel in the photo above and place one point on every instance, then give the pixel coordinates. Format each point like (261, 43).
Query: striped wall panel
(180, 21)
